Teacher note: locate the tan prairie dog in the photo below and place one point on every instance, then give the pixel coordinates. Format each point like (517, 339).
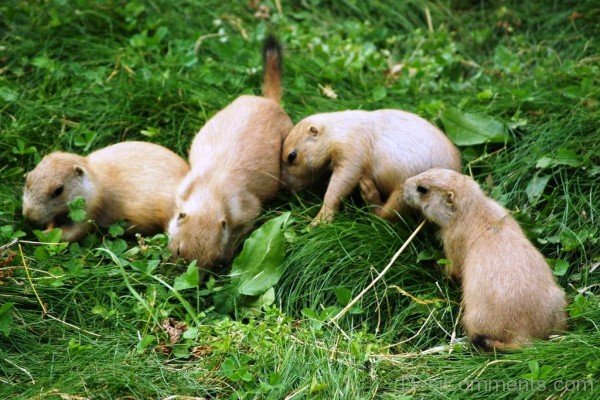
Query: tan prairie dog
(131, 181)
(376, 149)
(235, 167)
(509, 293)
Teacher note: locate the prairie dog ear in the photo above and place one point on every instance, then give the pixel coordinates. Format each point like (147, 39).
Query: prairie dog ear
(243, 208)
(79, 170)
(313, 130)
(450, 197)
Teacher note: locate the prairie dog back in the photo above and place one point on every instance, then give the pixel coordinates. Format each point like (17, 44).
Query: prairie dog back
(131, 181)
(376, 150)
(235, 167)
(422, 145)
(244, 136)
(142, 184)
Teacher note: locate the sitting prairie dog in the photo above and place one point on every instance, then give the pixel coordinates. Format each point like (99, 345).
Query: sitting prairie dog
(131, 181)
(235, 167)
(376, 149)
(509, 293)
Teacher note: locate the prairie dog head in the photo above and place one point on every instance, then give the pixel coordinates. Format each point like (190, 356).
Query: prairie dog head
(440, 194)
(205, 225)
(57, 180)
(305, 154)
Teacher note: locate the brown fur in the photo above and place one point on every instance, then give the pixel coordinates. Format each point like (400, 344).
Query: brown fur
(235, 167)
(131, 181)
(376, 150)
(509, 293)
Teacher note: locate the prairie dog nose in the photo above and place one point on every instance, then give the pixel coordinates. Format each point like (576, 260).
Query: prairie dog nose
(27, 210)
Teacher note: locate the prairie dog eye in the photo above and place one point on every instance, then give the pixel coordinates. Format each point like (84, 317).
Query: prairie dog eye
(181, 216)
(422, 189)
(58, 191)
(291, 157)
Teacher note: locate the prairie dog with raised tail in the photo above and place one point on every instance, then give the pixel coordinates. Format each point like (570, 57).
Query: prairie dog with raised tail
(131, 181)
(235, 168)
(376, 150)
(509, 293)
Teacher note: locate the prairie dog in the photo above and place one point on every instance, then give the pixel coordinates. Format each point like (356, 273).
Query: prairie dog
(131, 181)
(376, 149)
(509, 293)
(235, 167)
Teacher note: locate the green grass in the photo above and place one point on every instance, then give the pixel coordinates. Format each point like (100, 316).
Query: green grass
(79, 75)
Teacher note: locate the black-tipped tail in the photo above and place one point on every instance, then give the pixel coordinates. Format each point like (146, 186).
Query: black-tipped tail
(272, 64)
(486, 343)
(481, 341)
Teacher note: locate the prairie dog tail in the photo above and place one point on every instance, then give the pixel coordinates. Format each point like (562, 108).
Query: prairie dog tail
(486, 343)
(272, 69)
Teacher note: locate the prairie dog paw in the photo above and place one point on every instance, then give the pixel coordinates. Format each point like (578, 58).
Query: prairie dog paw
(369, 192)
(324, 216)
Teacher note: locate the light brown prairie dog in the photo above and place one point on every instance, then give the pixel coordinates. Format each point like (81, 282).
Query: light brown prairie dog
(378, 149)
(131, 181)
(509, 293)
(235, 167)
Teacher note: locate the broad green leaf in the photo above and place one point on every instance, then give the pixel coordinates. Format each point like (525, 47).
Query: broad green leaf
(181, 350)
(100, 310)
(77, 215)
(8, 95)
(264, 300)
(77, 209)
(506, 60)
(569, 240)
(190, 333)
(467, 129)
(545, 371)
(117, 246)
(485, 94)
(6, 319)
(316, 386)
(230, 368)
(76, 347)
(343, 295)
(117, 229)
(260, 264)
(559, 267)
(379, 93)
(536, 187)
(534, 369)
(427, 254)
(41, 254)
(52, 236)
(188, 279)
(311, 314)
(150, 131)
(161, 32)
(42, 62)
(144, 343)
(562, 157)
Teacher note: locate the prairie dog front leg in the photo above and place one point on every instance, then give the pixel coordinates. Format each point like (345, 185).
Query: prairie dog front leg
(387, 210)
(343, 180)
(369, 192)
(74, 232)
